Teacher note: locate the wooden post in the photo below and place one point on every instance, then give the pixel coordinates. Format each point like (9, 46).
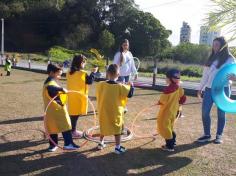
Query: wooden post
(106, 67)
(154, 72)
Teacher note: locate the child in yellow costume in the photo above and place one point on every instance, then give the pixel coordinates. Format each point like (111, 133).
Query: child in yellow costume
(170, 101)
(57, 118)
(111, 101)
(8, 65)
(78, 80)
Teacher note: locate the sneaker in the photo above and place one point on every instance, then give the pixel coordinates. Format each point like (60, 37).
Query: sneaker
(120, 150)
(52, 148)
(125, 110)
(204, 138)
(124, 132)
(101, 146)
(165, 148)
(218, 139)
(71, 147)
(77, 134)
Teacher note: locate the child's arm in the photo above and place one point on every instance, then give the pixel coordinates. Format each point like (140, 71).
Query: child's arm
(131, 91)
(91, 77)
(53, 91)
(182, 99)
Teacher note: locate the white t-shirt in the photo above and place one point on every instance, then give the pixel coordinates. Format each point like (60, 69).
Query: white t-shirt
(210, 72)
(128, 65)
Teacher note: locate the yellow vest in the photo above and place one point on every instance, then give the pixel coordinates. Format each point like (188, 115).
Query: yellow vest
(111, 100)
(77, 104)
(57, 118)
(168, 111)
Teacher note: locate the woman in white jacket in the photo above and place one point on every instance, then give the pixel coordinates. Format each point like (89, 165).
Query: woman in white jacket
(124, 59)
(219, 57)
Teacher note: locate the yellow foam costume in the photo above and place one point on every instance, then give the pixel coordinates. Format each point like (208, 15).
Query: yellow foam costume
(169, 106)
(111, 101)
(77, 104)
(57, 118)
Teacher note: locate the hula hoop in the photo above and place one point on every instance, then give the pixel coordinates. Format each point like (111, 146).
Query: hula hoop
(138, 61)
(221, 81)
(90, 137)
(45, 111)
(135, 119)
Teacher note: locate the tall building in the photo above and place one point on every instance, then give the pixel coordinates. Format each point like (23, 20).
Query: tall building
(206, 36)
(185, 33)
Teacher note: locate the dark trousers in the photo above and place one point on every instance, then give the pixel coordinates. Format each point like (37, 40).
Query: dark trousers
(171, 142)
(74, 120)
(8, 73)
(66, 136)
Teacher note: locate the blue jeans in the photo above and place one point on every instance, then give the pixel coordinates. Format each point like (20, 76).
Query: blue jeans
(123, 79)
(206, 109)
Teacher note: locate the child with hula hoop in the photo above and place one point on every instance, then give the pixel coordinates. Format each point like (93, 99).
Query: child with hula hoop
(78, 80)
(57, 119)
(111, 101)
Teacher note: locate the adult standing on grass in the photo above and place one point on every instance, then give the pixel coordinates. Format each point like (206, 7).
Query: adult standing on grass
(219, 57)
(124, 59)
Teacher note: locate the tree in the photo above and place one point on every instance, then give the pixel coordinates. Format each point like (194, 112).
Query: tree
(223, 16)
(191, 53)
(106, 40)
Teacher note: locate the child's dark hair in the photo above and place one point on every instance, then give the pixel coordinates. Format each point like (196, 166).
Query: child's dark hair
(113, 69)
(53, 68)
(76, 63)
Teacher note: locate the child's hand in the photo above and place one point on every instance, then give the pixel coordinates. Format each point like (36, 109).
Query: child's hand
(131, 83)
(95, 69)
(65, 90)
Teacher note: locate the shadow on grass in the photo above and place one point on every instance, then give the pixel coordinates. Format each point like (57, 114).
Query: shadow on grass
(21, 120)
(137, 161)
(33, 119)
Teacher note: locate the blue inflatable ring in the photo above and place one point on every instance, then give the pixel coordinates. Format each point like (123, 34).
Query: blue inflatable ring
(218, 94)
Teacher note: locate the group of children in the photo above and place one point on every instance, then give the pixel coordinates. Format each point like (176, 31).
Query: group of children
(111, 102)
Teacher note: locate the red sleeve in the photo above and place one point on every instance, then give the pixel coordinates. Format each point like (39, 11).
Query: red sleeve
(182, 99)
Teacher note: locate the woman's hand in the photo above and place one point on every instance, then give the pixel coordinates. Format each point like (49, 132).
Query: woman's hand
(231, 77)
(199, 94)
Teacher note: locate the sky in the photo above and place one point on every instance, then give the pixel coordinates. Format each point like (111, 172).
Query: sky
(172, 13)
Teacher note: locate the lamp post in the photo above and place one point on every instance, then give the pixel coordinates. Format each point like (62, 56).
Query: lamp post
(2, 44)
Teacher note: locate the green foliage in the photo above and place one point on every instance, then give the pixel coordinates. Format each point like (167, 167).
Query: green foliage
(190, 70)
(191, 53)
(60, 54)
(80, 24)
(106, 40)
(223, 16)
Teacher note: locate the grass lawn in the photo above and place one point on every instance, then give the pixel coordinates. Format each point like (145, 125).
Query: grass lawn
(23, 144)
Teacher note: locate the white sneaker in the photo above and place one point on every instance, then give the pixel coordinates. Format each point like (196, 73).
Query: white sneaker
(120, 150)
(77, 134)
(218, 139)
(101, 146)
(52, 148)
(71, 147)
